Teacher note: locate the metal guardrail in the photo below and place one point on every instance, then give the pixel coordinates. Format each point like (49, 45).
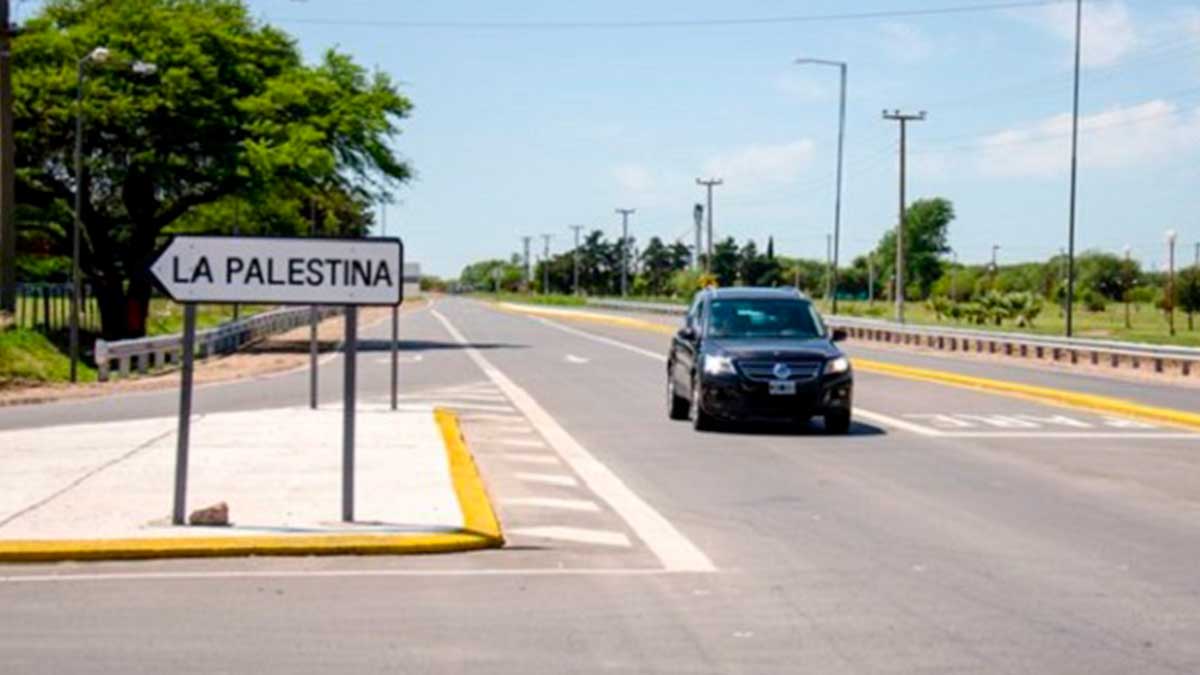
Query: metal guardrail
(122, 356)
(1162, 358)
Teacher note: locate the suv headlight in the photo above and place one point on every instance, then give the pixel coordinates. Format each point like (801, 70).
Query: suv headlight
(718, 365)
(839, 365)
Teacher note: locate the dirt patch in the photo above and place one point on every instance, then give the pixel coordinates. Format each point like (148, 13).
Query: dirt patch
(278, 353)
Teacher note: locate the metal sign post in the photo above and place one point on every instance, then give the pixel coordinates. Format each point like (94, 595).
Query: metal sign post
(185, 414)
(287, 271)
(314, 318)
(395, 352)
(348, 388)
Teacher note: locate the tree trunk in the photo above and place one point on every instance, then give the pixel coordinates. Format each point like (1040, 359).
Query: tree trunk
(123, 311)
(110, 295)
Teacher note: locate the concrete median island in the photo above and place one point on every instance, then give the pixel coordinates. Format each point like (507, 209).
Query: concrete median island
(104, 491)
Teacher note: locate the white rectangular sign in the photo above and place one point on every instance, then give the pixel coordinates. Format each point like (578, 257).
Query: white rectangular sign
(282, 270)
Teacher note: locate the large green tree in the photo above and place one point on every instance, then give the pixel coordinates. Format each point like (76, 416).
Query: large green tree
(231, 112)
(926, 228)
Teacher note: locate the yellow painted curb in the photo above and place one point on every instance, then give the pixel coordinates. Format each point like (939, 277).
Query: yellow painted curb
(479, 519)
(481, 529)
(1049, 395)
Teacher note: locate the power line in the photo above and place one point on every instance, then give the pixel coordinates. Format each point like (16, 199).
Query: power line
(621, 24)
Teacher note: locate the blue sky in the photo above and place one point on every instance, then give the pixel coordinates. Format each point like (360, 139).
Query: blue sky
(529, 131)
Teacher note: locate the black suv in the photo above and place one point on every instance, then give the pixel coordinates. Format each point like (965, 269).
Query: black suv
(757, 354)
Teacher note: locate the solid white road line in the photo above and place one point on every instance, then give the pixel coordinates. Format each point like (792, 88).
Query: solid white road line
(560, 480)
(668, 544)
(896, 423)
(578, 535)
(584, 505)
(526, 458)
(1072, 435)
(330, 574)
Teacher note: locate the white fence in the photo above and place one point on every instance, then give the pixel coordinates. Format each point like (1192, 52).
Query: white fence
(120, 357)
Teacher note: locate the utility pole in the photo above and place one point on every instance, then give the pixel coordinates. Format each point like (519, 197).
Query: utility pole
(526, 279)
(1126, 277)
(1070, 326)
(575, 276)
(1171, 280)
(698, 217)
(625, 213)
(837, 203)
(828, 263)
(546, 263)
(903, 119)
(709, 184)
(8, 223)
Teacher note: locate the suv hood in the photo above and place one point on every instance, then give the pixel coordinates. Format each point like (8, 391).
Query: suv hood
(772, 347)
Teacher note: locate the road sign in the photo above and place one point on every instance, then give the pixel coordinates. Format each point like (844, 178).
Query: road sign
(282, 270)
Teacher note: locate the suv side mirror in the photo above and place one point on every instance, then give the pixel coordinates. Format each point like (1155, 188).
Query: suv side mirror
(839, 334)
(687, 334)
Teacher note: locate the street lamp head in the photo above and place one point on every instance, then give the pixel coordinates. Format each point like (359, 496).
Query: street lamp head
(99, 55)
(144, 68)
(1171, 234)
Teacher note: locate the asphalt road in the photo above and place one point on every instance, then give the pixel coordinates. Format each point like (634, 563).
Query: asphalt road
(952, 531)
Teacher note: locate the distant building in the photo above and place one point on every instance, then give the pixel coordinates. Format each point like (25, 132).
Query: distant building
(412, 280)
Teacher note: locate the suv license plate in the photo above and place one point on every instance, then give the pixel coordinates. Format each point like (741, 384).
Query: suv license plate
(782, 388)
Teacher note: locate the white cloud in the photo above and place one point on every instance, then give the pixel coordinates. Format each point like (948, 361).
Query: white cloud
(1108, 29)
(1116, 138)
(754, 165)
(635, 178)
(906, 42)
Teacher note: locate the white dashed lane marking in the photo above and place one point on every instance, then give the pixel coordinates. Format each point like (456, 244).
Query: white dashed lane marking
(582, 505)
(561, 480)
(526, 458)
(575, 534)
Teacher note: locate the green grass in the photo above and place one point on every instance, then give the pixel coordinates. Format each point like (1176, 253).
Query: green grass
(166, 317)
(531, 299)
(1147, 323)
(26, 356)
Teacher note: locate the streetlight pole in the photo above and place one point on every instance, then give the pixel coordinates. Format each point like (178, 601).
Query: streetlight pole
(837, 203)
(903, 119)
(698, 217)
(954, 276)
(1126, 277)
(575, 275)
(709, 184)
(871, 279)
(625, 213)
(1171, 280)
(99, 55)
(1074, 172)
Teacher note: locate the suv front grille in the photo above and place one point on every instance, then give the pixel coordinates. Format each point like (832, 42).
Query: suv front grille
(764, 371)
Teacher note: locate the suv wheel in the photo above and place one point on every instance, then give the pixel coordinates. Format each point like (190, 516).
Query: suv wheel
(701, 421)
(677, 406)
(837, 422)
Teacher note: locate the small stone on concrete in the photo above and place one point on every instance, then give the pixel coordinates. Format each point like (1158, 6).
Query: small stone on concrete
(217, 514)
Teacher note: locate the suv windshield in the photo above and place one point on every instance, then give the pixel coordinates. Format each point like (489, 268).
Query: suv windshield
(761, 318)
